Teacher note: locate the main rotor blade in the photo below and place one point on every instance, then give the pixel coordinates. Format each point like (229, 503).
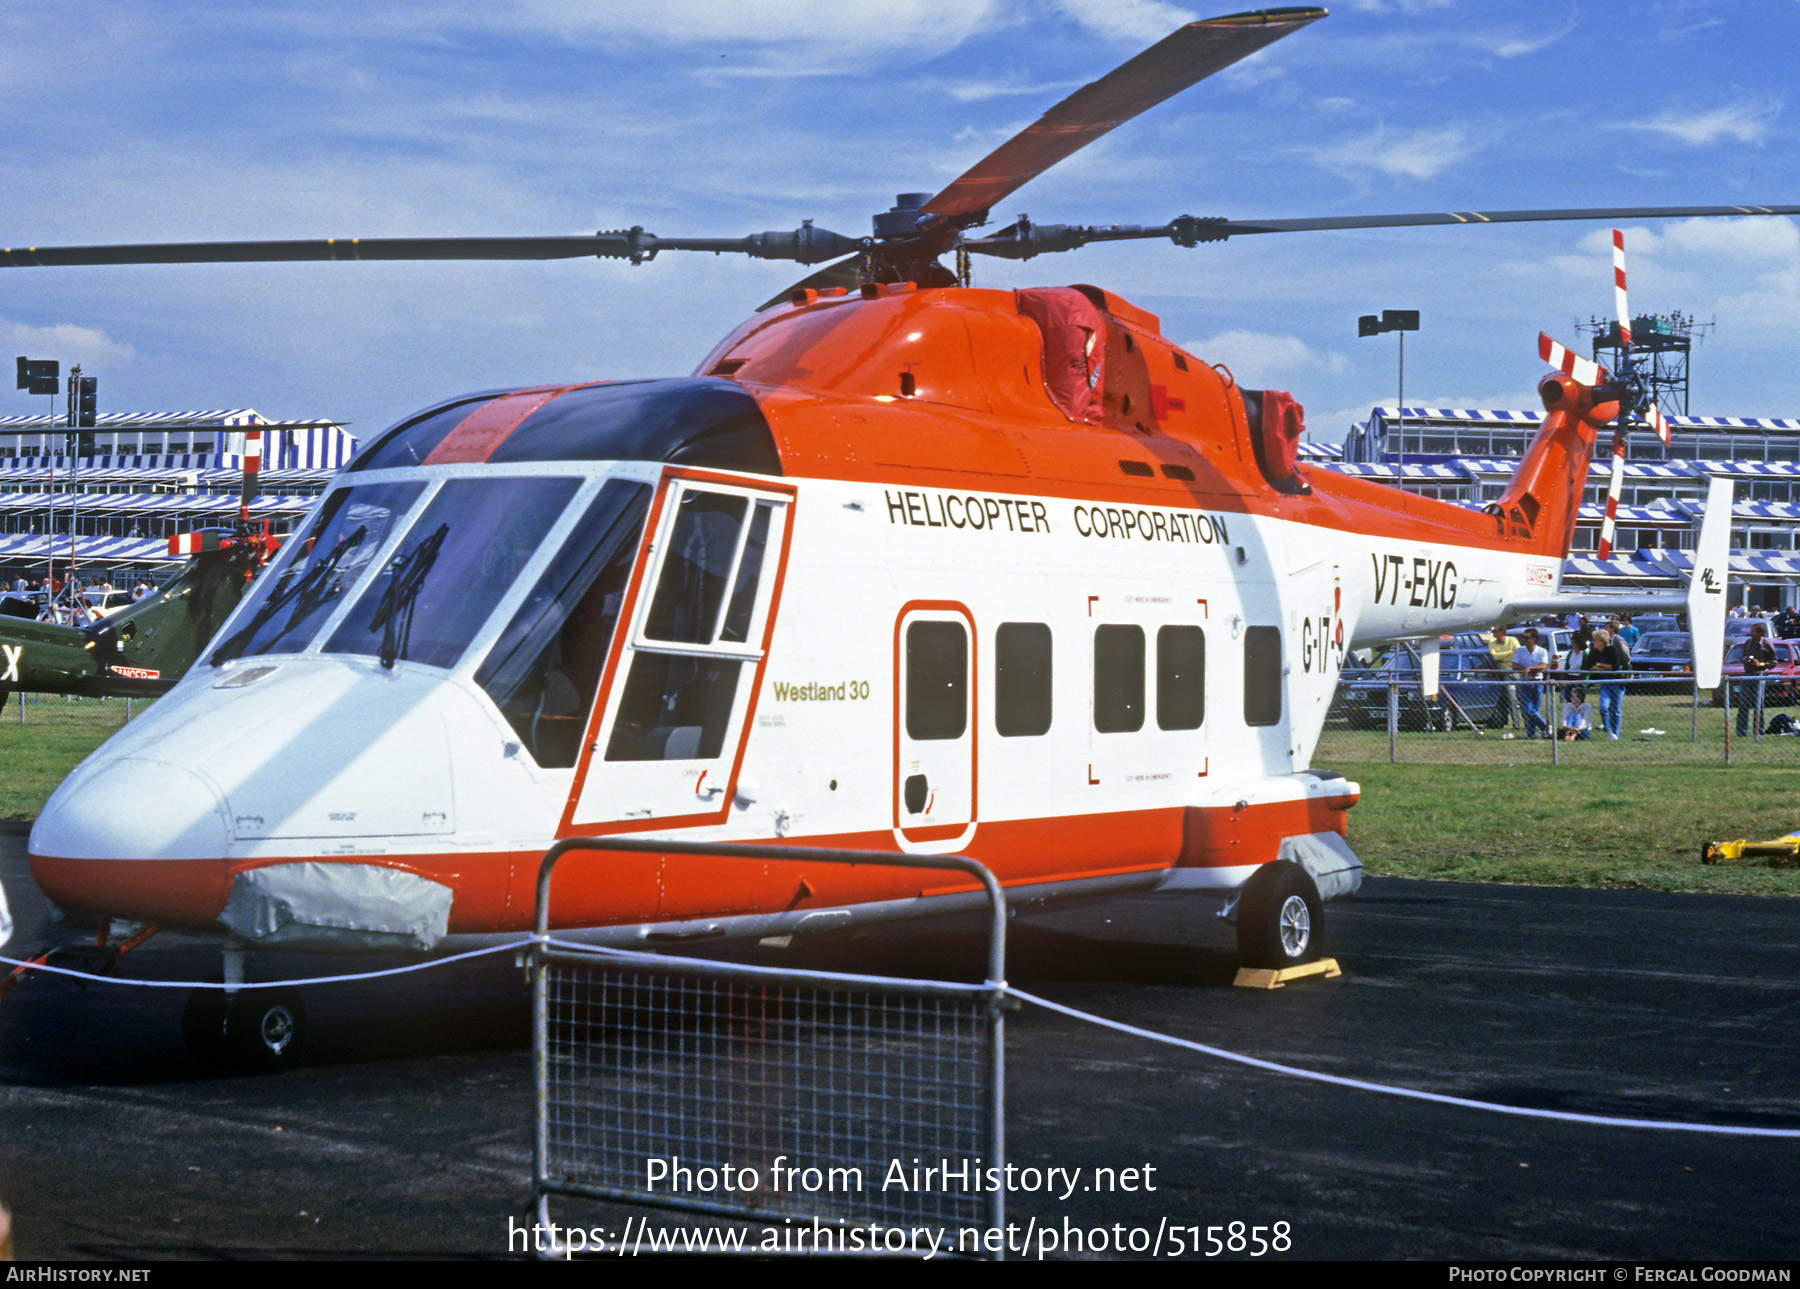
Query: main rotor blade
(1026, 239)
(1171, 65)
(1244, 227)
(807, 245)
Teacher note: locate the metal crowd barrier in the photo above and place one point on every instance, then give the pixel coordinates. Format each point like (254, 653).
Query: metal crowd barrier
(777, 1097)
(1663, 720)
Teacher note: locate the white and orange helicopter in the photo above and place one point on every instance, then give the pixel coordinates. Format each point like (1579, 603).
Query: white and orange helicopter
(904, 565)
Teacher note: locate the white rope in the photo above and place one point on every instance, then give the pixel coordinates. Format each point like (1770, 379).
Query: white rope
(1274, 1067)
(427, 965)
(1563, 1116)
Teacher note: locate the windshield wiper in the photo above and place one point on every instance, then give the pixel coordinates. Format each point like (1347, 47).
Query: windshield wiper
(394, 615)
(308, 590)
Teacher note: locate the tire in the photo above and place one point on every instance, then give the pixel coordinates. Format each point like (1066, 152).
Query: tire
(203, 1026)
(1280, 918)
(264, 1028)
(255, 1029)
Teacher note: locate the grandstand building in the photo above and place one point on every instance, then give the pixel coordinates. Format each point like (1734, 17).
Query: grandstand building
(1469, 456)
(137, 479)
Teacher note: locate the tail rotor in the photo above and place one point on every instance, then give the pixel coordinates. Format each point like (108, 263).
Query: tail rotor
(1628, 386)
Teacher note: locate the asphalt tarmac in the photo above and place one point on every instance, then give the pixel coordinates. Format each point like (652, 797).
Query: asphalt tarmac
(405, 1130)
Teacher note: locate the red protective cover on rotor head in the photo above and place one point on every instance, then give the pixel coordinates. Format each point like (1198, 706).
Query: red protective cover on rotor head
(1074, 348)
(1283, 422)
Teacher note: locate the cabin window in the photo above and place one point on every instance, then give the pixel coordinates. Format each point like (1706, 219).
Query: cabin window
(937, 680)
(1022, 679)
(1262, 676)
(690, 593)
(1118, 679)
(544, 669)
(1180, 678)
(707, 611)
(674, 708)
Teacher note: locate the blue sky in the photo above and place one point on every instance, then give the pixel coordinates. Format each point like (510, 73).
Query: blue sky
(178, 121)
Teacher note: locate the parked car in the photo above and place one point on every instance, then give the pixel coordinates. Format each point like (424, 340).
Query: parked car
(1353, 679)
(1739, 628)
(104, 603)
(1783, 684)
(1555, 640)
(1469, 686)
(1665, 653)
(1651, 623)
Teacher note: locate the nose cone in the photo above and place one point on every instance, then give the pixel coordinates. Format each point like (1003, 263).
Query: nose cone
(132, 807)
(88, 845)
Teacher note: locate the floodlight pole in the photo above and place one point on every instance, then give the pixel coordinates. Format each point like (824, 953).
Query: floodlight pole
(1403, 321)
(71, 440)
(50, 518)
(1400, 403)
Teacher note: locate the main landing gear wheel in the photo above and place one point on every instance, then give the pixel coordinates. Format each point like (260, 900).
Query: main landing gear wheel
(253, 1029)
(1280, 920)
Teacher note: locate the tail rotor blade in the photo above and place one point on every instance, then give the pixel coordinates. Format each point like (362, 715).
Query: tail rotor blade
(1624, 309)
(1613, 489)
(1583, 371)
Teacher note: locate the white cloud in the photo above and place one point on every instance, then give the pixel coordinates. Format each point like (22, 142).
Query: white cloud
(1409, 154)
(1140, 21)
(1519, 46)
(1401, 6)
(1256, 357)
(980, 91)
(1746, 121)
(1761, 238)
(66, 342)
(844, 31)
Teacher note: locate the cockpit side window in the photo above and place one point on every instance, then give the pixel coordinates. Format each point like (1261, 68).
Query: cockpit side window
(545, 668)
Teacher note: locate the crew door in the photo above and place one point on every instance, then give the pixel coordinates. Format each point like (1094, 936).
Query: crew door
(671, 719)
(935, 728)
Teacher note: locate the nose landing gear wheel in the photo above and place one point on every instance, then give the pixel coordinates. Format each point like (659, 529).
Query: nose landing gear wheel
(254, 1029)
(1280, 919)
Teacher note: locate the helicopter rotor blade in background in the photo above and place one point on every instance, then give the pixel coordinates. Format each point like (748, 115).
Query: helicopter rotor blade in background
(1184, 58)
(806, 244)
(1026, 239)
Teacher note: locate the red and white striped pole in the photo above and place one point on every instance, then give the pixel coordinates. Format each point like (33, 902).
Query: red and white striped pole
(252, 465)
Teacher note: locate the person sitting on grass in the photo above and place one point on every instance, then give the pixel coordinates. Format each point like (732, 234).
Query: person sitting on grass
(1577, 715)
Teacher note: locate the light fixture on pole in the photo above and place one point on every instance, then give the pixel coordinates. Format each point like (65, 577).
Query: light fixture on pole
(1403, 321)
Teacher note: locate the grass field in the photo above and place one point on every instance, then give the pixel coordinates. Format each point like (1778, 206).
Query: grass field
(1458, 806)
(1474, 806)
(43, 738)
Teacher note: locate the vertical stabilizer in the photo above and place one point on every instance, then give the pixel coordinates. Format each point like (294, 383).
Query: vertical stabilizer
(1706, 586)
(1539, 507)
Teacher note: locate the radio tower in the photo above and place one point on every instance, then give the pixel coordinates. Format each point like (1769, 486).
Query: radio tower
(1661, 343)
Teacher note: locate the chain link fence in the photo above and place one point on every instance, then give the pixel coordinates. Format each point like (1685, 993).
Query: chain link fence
(68, 710)
(1569, 719)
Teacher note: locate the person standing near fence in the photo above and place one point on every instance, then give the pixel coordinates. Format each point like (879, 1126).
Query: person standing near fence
(1605, 661)
(1502, 648)
(1530, 663)
(1759, 656)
